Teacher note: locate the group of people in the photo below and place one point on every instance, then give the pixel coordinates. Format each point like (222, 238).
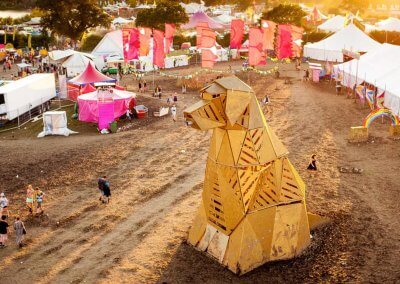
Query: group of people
(34, 200)
(142, 86)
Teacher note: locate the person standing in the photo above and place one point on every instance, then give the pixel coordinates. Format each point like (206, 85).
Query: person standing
(183, 88)
(39, 196)
(144, 86)
(312, 166)
(140, 85)
(20, 231)
(3, 205)
(3, 231)
(29, 198)
(173, 112)
(100, 184)
(175, 97)
(106, 192)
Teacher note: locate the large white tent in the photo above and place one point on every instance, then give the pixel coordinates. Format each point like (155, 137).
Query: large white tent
(381, 68)
(372, 67)
(110, 44)
(331, 48)
(333, 25)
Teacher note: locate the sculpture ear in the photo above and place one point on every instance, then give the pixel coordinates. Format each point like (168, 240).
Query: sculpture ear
(236, 103)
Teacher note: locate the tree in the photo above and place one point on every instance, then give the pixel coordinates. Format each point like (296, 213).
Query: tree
(132, 3)
(72, 18)
(164, 12)
(354, 5)
(285, 14)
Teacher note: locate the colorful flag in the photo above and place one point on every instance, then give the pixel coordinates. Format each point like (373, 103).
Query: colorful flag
(237, 33)
(144, 39)
(284, 42)
(29, 40)
(158, 49)
(269, 29)
(200, 26)
(297, 35)
(208, 58)
(256, 53)
(131, 43)
(169, 36)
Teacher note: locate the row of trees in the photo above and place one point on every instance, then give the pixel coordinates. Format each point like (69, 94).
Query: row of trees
(21, 41)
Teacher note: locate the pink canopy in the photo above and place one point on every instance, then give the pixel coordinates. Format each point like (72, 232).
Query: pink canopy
(201, 17)
(87, 89)
(90, 75)
(90, 104)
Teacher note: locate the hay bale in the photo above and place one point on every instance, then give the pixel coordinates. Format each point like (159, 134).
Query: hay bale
(394, 130)
(358, 134)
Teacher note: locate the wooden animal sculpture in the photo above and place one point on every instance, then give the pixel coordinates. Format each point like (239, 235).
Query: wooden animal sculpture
(253, 203)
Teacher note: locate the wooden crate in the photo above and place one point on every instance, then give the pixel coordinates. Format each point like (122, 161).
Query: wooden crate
(358, 134)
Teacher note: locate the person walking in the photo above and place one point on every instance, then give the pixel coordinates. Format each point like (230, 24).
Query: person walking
(3, 231)
(173, 112)
(20, 231)
(100, 184)
(106, 192)
(3, 205)
(175, 97)
(29, 198)
(39, 196)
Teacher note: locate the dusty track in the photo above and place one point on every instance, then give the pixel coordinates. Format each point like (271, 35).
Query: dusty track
(156, 174)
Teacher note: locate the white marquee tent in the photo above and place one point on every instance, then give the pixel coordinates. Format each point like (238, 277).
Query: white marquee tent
(331, 48)
(76, 64)
(110, 44)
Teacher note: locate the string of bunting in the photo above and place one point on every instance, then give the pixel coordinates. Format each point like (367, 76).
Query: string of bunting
(273, 59)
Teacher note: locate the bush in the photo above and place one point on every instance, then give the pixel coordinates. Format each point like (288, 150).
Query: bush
(21, 41)
(91, 42)
(381, 36)
(314, 36)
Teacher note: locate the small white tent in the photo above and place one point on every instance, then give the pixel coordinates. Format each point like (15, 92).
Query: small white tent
(55, 123)
(110, 44)
(331, 48)
(390, 25)
(75, 64)
(333, 25)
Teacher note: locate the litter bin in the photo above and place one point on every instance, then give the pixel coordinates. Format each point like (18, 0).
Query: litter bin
(113, 127)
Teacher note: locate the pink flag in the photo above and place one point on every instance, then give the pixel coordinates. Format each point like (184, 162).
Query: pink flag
(144, 38)
(169, 36)
(207, 42)
(256, 53)
(158, 48)
(297, 35)
(284, 42)
(269, 29)
(237, 32)
(131, 48)
(125, 42)
(200, 26)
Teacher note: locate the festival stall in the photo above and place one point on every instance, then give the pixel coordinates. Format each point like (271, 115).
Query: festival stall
(104, 106)
(90, 76)
(331, 48)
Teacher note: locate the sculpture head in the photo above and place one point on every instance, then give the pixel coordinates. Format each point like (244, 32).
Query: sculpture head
(226, 103)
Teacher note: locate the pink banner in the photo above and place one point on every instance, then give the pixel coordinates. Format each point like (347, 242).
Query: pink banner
(297, 35)
(207, 42)
(125, 42)
(208, 37)
(133, 45)
(106, 114)
(169, 36)
(208, 58)
(284, 42)
(256, 53)
(158, 48)
(144, 38)
(269, 29)
(199, 28)
(237, 33)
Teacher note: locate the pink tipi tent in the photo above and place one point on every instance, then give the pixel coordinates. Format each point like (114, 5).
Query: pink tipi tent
(90, 76)
(87, 89)
(201, 17)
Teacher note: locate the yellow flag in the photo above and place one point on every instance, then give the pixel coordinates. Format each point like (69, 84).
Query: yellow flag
(5, 37)
(29, 40)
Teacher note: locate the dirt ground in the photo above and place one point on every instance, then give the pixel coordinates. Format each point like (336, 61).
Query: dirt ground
(156, 169)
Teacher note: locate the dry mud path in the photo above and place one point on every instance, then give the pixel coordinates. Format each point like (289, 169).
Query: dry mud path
(156, 174)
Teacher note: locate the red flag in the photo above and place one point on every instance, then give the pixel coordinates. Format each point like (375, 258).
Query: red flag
(284, 42)
(237, 32)
(169, 36)
(144, 38)
(200, 26)
(131, 43)
(158, 48)
(268, 28)
(256, 53)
